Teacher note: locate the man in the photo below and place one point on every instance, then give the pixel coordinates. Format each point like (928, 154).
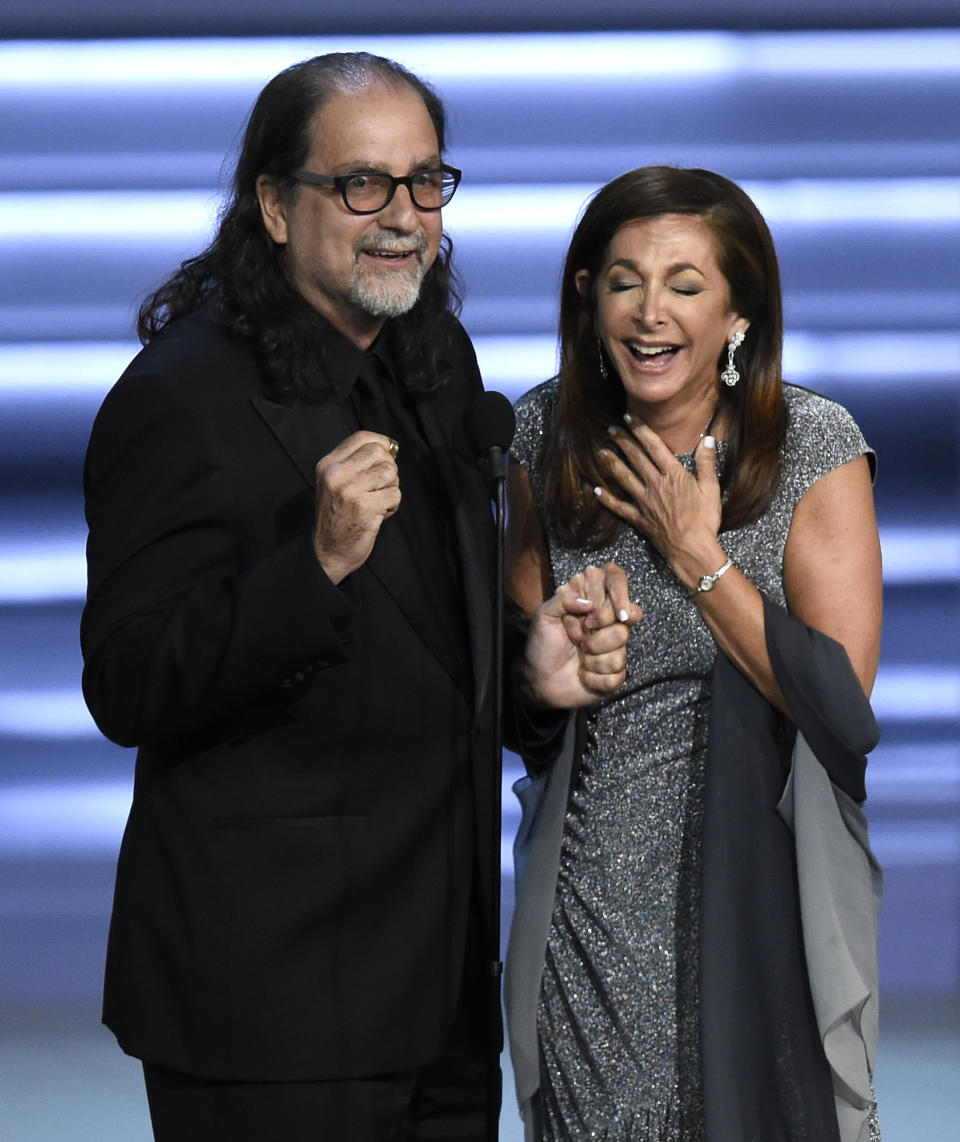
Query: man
(289, 613)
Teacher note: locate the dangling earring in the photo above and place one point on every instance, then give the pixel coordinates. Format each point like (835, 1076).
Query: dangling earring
(730, 376)
(603, 365)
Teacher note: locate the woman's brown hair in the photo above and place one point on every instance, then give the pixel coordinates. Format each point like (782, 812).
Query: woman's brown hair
(589, 402)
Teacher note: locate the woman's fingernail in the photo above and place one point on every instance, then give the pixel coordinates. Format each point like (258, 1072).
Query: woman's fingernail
(623, 615)
(709, 442)
(598, 491)
(627, 418)
(587, 601)
(612, 430)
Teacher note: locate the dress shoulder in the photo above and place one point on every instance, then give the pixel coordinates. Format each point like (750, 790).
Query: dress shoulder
(821, 436)
(536, 412)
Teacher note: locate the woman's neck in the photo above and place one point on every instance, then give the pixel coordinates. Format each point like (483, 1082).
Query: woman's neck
(682, 429)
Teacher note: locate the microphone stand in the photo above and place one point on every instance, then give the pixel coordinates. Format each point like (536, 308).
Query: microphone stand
(497, 461)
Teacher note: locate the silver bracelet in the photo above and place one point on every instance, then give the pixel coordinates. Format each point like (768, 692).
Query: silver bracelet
(708, 582)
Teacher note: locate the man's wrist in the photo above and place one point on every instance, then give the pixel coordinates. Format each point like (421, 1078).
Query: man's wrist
(527, 683)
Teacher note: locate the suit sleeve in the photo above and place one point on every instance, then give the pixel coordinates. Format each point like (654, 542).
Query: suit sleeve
(536, 733)
(180, 632)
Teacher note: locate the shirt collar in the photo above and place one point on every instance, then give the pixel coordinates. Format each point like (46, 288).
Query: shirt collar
(344, 360)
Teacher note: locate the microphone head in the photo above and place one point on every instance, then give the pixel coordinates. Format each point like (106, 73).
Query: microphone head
(490, 422)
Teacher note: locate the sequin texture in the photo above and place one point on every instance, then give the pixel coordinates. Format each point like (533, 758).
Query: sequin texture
(618, 1017)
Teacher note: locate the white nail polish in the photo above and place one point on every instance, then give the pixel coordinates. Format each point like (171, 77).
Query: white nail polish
(709, 442)
(623, 616)
(598, 491)
(585, 601)
(627, 418)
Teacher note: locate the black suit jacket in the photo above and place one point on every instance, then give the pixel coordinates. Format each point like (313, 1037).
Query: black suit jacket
(313, 773)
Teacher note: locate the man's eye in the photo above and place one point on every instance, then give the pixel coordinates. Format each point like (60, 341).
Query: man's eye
(365, 180)
(428, 178)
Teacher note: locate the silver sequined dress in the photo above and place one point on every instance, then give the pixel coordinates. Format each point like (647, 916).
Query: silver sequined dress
(618, 1018)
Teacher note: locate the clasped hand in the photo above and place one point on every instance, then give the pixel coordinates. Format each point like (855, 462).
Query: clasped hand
(577, 647)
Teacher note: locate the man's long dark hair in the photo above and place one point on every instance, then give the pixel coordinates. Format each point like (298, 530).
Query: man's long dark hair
(590, 401)
(242, 271)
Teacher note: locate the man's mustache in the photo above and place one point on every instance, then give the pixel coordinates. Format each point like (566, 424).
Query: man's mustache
(394, 244)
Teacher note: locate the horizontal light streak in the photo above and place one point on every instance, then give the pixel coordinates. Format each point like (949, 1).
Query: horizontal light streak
(554, 208)
(916, 693)
(914, 775)
(873, 355)
(557, 161)
(54, 569)
(201, 62)
(516, 363)
(501, 312)
(108, 216)
(935, 843)
(911, 693)
(42, 571)
(87, 820)
(54, 714)
(33, 373)
(638, 58)
(913, 555)
(70, 817)
(531, 209)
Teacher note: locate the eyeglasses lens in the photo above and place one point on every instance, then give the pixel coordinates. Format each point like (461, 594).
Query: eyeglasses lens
(429, 190)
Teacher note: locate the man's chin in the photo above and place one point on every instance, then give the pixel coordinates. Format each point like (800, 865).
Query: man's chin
(381, 298)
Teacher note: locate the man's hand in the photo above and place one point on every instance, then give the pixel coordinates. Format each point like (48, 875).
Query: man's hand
(357, 488)
(577, 647)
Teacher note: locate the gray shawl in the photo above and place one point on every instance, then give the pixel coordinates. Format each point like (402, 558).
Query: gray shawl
(790, 896)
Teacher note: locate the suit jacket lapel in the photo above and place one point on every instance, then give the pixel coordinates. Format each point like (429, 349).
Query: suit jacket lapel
(308, 432)
(471, 512)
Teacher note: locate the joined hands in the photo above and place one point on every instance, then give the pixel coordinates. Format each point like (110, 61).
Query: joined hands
(577, 647)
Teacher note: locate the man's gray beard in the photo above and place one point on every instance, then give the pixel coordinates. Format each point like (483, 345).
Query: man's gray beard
(389, 294)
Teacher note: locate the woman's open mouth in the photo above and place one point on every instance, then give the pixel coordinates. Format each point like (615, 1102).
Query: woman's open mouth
(652, 356)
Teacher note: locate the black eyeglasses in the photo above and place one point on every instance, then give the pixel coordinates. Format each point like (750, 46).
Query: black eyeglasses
(366, 192)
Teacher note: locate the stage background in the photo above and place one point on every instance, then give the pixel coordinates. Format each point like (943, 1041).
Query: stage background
(841, 119)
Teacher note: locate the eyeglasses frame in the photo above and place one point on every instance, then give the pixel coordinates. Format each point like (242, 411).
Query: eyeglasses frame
(341, 181)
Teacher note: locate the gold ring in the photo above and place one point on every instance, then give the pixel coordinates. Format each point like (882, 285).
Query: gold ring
(393, 448)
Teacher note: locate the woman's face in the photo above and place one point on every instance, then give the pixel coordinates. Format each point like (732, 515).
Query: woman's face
(663, 311)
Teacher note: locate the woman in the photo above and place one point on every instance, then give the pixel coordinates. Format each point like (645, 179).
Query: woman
(675, 980)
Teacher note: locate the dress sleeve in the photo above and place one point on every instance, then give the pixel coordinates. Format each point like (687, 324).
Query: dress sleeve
(534, 415)
(821, 436)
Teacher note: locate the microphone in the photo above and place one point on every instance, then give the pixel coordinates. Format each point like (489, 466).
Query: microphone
(489, 424)
(487, 433)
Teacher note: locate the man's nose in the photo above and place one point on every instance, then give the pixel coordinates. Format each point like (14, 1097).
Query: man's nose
(401, 211)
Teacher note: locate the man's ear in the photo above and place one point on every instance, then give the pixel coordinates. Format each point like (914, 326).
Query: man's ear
(273, 209)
